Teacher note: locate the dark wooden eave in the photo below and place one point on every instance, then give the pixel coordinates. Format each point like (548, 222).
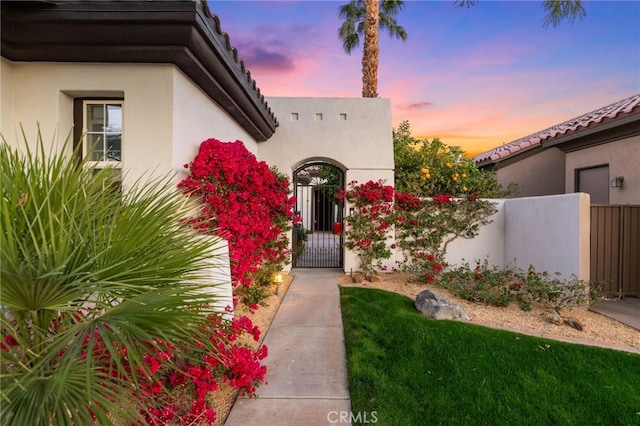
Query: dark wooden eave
(177, 32)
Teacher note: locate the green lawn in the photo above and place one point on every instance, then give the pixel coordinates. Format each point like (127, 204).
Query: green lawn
(412, 370)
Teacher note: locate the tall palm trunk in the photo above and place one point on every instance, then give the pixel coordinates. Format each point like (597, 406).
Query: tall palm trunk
(370, 53)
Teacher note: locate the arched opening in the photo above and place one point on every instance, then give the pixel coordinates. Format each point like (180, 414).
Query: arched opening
(317, 230)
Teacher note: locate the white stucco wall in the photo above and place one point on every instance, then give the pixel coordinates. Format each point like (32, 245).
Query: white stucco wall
(550, 232)
(489, 244)
(218, 276)
(197, 118)
(354, 133)
(165, 116)
(6, 96)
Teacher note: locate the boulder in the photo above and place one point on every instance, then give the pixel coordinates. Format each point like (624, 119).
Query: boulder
(574, 323)
(436, 306)
(556, 319)
(375, 279)
(357, 278)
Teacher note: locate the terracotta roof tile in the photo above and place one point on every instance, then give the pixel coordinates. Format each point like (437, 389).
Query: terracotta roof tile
(591, 119)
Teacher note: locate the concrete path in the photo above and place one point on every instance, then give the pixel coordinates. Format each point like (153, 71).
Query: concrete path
(626, 310)
(306, 367)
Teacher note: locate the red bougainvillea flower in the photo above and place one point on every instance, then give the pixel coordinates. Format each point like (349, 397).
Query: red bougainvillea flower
(243, 201)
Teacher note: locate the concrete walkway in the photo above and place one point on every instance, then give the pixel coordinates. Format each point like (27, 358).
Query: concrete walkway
(626, 310)
(306, 367)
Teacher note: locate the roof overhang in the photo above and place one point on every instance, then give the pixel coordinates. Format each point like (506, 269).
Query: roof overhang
(183, 33)
(622, 126)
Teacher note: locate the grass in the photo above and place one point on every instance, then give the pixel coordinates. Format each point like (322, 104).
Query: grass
(412, 370)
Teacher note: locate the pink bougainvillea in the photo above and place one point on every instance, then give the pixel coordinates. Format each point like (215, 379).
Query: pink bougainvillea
(423, 226)
(243, 201)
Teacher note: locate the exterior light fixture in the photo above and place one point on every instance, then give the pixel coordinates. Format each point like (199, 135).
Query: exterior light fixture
(278, 279)
(616, 182)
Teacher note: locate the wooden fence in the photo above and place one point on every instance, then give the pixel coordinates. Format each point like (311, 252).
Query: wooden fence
(615, 248)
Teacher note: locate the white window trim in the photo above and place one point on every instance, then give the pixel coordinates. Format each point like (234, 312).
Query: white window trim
(85, 133)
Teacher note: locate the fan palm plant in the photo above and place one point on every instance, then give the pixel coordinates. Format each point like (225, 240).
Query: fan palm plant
(95, 281)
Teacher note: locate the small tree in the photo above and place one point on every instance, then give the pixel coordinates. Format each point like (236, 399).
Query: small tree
(426, 226)
(368, 226)
(426, 168)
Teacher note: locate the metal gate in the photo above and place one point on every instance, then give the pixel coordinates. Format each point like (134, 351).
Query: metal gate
(615, 248)
(317, 230)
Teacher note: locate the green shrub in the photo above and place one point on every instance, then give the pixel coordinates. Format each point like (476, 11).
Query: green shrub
(89, 273)
(482, 283)
(496, 286)
(264, 275)
(556, 293)
(254, 295)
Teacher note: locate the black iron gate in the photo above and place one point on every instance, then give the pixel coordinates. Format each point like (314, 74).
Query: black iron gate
(317, 229)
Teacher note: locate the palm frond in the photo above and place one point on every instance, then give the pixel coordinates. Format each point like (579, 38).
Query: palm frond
(559, 10)
(93, 282)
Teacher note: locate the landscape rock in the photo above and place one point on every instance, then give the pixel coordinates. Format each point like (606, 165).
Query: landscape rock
(574, 323)
(436, 306)
(357, 278)
(556, 319)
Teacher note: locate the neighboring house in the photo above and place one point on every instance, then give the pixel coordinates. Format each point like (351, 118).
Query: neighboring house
(153, 79)
(584, 154)
(596, 153)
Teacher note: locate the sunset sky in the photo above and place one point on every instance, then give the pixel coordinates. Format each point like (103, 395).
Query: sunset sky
(476, 78)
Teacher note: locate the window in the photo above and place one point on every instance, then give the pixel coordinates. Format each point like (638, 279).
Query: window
(98, 134)
(102, 128)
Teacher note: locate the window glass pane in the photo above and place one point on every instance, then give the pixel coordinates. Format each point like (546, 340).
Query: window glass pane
(95, 148)
(103, 129)
(95, 118)
(114, 148)
(114, 119)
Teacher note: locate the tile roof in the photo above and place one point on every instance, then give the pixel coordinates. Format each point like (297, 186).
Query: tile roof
(184, 33)
(592, 119)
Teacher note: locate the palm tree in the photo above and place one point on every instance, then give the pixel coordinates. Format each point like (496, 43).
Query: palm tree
(364, 18)
(93, 280)
(557, 10)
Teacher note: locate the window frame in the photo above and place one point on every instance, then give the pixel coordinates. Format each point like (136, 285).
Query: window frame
(80, 130)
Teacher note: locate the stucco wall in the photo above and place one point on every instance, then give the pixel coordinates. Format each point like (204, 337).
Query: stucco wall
(165, 117)
(489, 244)
(197, 118)
(6, 96)
(540, 174)
(550, 233)
(623, 158)
(354, 133)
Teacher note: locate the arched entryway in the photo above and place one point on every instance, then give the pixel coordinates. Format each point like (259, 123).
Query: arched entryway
(317, 231)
